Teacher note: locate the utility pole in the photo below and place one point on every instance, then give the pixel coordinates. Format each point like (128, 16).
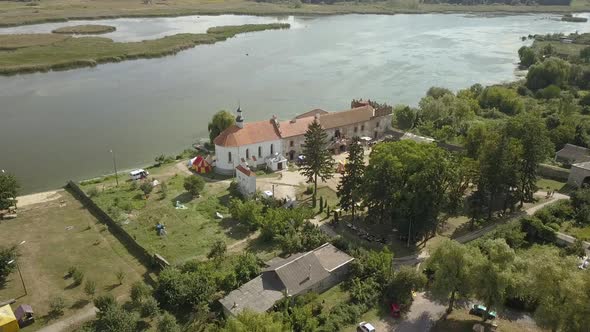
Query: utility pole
(115, 167)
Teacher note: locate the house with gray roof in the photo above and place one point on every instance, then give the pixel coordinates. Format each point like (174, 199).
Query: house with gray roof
(316, 270)
(572, 154)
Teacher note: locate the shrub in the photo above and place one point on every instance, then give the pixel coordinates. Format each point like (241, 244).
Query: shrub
(167, 323)
(90, 288)
(234, 190)
(505, 100)
(365, 292)
(550, 92)
(163, 190)
(92, 192)
(218, 250)
(139, 291)
(71, 270)
(149, 307)
(103, 302)
(160, 160)
(6, 255)
(194, 184)
(120, 275)
(115, 318)
(146, 187)
(309, 190)
(56, 306)
(585, 101)
(527, 56)
(78, 277)
(551, 71)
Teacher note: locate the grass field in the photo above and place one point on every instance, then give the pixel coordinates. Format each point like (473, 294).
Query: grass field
(59, 236)
(548, 184)
(89, 29)
(190, 232)
(17, 13)
(89, 51)
(13, 42)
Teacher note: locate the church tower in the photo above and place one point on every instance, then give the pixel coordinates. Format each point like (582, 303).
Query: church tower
(239, 118)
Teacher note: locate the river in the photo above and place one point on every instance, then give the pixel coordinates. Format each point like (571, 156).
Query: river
(61, 125)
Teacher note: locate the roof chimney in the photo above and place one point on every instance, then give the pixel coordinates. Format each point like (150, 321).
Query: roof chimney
(239, 118)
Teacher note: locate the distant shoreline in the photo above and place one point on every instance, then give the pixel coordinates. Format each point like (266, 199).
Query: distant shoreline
(272, 9)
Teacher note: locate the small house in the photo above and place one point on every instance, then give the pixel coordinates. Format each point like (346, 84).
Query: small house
(246, 179)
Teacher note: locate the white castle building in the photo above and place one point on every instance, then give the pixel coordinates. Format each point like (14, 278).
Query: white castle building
(272, 143)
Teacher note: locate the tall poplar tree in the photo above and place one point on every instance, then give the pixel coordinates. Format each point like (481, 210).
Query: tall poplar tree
(318, 162)
(349, 189)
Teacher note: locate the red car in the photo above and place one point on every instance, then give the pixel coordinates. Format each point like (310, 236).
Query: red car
(395, 310)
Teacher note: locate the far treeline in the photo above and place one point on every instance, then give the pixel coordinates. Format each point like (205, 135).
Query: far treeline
(457, 2)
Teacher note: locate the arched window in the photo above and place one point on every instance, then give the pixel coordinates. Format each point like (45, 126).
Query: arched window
(229, 156)
(247, 153)
(260, 152)
(272, 149)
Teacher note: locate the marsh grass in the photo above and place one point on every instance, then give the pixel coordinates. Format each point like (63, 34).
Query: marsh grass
(91, 51)
(86, 29)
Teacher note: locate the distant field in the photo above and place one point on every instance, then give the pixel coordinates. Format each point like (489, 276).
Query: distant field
(17, 13)
(56, 235)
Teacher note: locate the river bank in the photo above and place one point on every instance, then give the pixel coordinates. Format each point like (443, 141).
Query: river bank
(90, 51)
(22, 13)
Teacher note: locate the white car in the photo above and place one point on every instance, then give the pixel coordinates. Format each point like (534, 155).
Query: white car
(365, 327)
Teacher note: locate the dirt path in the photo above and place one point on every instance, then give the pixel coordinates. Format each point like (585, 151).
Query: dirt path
(84, 315)
(42, 197)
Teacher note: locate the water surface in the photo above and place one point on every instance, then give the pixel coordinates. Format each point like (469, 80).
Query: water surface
(61, 125)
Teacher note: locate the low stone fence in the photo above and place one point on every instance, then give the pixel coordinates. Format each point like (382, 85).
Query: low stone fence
(127, 240)
(553, 172)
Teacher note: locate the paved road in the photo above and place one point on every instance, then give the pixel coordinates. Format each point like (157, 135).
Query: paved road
(422, 315)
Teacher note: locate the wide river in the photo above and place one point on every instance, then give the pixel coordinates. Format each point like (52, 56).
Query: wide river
(61, 125)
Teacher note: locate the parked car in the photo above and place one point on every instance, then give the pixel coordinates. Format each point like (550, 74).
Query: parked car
(138, 174)
(480, 310)
(365, 327)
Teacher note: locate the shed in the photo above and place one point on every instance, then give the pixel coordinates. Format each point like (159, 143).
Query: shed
(8, 322)
(24, 315)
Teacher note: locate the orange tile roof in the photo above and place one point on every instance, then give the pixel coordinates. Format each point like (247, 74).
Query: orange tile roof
(245, 170)
(311, 113)
(295, 127)
(263, 131)
(253, 132)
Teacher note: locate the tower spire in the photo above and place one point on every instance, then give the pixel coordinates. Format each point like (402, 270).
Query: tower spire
(239, 117)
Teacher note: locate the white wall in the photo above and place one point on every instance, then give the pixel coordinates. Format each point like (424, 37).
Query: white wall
(225, 167)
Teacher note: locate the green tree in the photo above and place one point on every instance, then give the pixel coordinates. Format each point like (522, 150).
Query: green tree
(167, 323)
(146, 187)
(7, 264)
(318, 162)
(160, 160)
(551, 71)
(403, 283)
(194, 184)
(532, 134)
(452, 264)
(9, 187)
(220, 122)
(585, 54)
(492, 275)
(527, 56)
(438, 92)
(405, 117)
(350, 186)
(246, 268)
(149, 307)
(217, 250)
(248, 213)
(139, 292)
(505, 100)
(580, 200)
(248, 321)
(179, 290)
(115, 318)
(104, 302)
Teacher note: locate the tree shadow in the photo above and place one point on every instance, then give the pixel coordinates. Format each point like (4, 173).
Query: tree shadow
(79, 304)
(185, 197)
(234, 229)
(71, 286)
(109, 288)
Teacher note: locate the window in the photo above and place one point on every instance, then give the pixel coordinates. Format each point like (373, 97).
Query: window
(362, 127)
(272, 149)
(229, 157)
(378, 123)
(260, 152)
(291, 143)
(247, 153)
(356, 129)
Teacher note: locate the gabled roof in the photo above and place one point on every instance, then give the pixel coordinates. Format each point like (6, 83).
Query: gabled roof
(345, 118)
(295, 127)
(253, 132)
(311, 113)
(584, 165)
(573, 153)
(245, 170)
(301, 273)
